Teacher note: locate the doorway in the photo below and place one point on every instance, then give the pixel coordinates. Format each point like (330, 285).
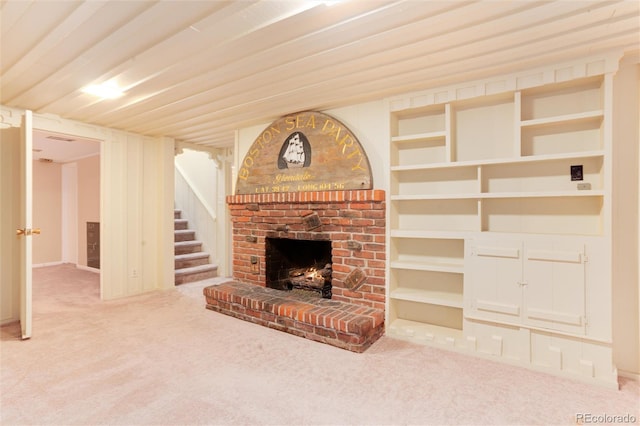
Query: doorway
(66, 197)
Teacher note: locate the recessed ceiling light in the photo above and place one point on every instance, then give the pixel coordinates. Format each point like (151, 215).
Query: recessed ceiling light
(107, 90)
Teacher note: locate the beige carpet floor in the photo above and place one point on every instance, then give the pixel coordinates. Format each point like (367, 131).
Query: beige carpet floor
(163, 359)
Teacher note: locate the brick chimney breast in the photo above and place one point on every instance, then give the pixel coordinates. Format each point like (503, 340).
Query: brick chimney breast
(354, 222)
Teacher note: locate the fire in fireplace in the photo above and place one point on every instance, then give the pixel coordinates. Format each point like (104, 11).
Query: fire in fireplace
(303, 265)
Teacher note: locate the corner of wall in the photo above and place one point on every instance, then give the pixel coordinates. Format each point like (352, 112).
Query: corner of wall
(626, 225)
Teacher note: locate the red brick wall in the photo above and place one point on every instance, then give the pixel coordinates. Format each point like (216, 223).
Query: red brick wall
(354, 222)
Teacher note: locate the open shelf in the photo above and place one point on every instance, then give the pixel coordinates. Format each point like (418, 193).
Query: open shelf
(484, 128)
(444, 317)
(435, 137)
(435, 181)
(422, 234)
(434, 266)
(421, 214)
(555, 101)
(564, 117)
(578, 118)
(479, 184)
(552, 177)
(525, 177)
(516, 160)
(479, 196)
(416, 150)
(544, 215)
(562, 137)
(419, 136)
(430, 297)
(419, 121)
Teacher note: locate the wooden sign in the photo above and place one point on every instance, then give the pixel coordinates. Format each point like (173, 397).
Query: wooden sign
(307, 151)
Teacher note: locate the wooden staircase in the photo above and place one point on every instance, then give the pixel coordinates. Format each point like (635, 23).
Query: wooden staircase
(191, 263)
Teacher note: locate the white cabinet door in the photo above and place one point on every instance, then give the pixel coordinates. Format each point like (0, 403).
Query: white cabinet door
(493, 280)
(554, 272)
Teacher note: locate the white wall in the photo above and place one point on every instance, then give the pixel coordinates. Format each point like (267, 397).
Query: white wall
(70, 213)
(626, 318)
(88, 204)
(201, 171)
(47, 212)
(9, 159)
(196, 187)
(136, 227)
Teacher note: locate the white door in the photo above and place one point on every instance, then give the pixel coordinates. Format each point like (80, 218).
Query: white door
(25, 232)
(493, 279)
(555, 291)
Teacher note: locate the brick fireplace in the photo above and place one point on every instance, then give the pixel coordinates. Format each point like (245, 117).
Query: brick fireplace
(350, 223)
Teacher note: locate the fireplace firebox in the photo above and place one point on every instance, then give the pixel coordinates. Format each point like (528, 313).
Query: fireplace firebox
(303, 265)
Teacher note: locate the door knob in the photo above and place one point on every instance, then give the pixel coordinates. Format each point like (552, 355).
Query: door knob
(26, 231)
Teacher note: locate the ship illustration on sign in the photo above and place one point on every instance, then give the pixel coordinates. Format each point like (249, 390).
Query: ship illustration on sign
(295, 152)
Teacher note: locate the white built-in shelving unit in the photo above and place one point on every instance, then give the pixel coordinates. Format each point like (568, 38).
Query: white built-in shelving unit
(494, 247)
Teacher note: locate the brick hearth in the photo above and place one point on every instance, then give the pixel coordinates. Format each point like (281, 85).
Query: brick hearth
(354, 222)
(340, 324)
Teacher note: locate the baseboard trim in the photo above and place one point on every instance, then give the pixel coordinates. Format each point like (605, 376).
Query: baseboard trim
(629, 375)
(88, 268)
(44, 265)
(84, 268)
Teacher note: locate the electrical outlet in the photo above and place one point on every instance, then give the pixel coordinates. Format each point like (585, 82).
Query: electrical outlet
(134, 273)
(584, 186)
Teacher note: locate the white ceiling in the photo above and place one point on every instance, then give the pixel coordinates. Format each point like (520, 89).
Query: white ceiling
(62, 148)
(197, 70)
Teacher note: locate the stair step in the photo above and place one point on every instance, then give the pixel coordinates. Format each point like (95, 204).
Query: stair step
(196, 273)
(188, 260)
(184, 235)
(180, 223)
(182, 247)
